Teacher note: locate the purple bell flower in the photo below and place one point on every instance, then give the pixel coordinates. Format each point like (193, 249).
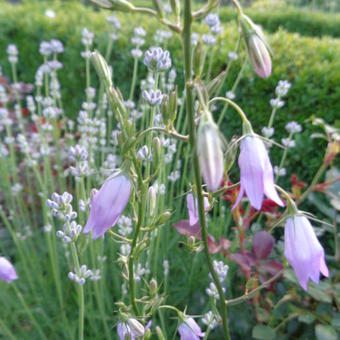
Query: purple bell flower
(304, 251)
(108, 204)
(193, 208)
(257, 176)
(189, 330)
(7, 270)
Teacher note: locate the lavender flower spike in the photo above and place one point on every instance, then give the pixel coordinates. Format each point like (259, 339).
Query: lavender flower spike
(192, 205)
(257, 176)
(304, 251)
(189, 330)
(7, 270)
(108, 204)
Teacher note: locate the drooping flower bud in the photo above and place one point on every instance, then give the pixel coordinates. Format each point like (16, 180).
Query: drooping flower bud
(304, 251)
(152, 200)
(257, 47)
(7, 270)
(136, 327)
(108, 204)
(116, 5)
(210, 152)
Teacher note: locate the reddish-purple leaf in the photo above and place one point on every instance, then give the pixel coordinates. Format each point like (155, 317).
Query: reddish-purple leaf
(263, 244)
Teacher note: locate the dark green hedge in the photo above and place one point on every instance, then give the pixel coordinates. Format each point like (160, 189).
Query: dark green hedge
(311, 64)
(303, 21)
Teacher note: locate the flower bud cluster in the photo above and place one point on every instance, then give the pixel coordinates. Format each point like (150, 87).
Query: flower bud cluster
(221, 270)
(157, 60)
(138, 41)
(210, 320)
(79, 155)
(80, 277)
(154, 98)
(61, 206)
(70, 232)
(12, 53)
(53, 46)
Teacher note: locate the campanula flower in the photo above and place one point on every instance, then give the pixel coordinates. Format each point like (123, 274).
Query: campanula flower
(108, 204)
(210, 152)
(303, 250)
(189, 330)
(257, 176)
(7, 270)
(192, 206)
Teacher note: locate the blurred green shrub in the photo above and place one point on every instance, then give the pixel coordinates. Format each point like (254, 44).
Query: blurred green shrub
(310, 64)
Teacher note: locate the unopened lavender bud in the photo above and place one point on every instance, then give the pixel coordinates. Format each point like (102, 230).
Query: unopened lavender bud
(257, 47)
(159, 333)
(163, 218)
(101, 68)
(152, 200)
(173, 104)
(175, 7)
(198, 60)
(116, 5)
(156, 152)
(165, 109)
(159, 7)
(153, 287)
(210, 152)
(136, 327)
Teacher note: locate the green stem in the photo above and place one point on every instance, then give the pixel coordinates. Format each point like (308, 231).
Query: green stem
(27, 310)
(192, 139)
(239, 76)
(284, 156)
(80, 292)
(315, 180)
(134, 77)
(141, 212)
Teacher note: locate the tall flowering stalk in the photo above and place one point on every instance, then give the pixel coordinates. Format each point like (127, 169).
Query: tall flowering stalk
(187, 50)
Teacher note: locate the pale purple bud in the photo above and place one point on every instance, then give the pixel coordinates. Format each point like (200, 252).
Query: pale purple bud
(304, 251)
(189, 330)
(137, 329)
(259, 56)
(7, 270)
(210, 154)
(108, 204)
(192, 206)
(257, 176)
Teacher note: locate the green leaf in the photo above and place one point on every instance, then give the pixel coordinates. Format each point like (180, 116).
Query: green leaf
(325, 332)
(336, 320)
(262, 314)
(307, 318)
(263, 332)
(318, 294)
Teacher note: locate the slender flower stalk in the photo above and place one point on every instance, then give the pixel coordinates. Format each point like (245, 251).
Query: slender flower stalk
(187, 50)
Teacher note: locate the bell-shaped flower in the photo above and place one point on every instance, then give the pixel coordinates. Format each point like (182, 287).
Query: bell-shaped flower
(189, 330)
(108, 204)
(257, 177)
(7, 270)
(192, 206)
(210, 152)
(303, 250)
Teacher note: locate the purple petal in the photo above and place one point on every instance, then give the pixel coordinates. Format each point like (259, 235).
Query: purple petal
(303, 250)
(251, 163)
(7, 270)
(108, 204)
